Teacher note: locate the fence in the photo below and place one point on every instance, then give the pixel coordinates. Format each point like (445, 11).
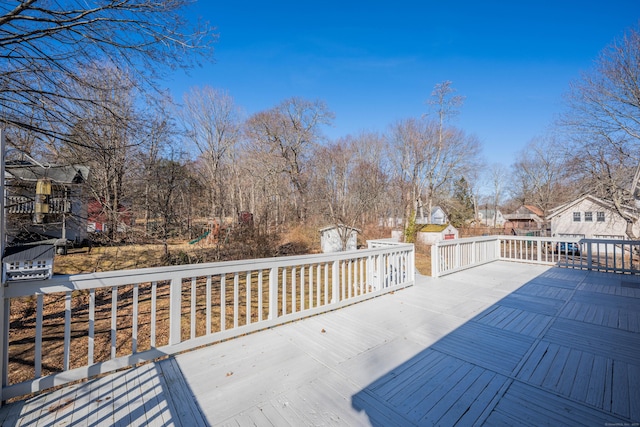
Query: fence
(609, 255)
(73, 327)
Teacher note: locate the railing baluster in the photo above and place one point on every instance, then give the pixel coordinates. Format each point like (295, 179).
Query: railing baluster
(223, 302)
(294, 295)
(350, 275)
(302, 288)
(248, 302)
(38, 345)
(134, 321)
(260, 291)
(67, 331)
(284, 291)
(311, 286)
(318, 285)
(114, 320)
(326, 283)
(92, 320)
(208, 304)
(236, 299)
(192, 325)
(154, 291)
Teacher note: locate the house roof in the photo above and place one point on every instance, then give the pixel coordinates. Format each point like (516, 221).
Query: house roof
(523, 217)
(69, 174)
(28, 252)
(593, 199)
(534, 209)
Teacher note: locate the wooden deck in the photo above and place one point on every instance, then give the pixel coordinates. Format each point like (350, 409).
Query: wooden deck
(502, 344)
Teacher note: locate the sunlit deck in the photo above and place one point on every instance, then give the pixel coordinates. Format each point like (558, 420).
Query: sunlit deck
(501, 344)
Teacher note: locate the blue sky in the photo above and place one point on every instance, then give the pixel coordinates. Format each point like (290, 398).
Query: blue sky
(374, 63)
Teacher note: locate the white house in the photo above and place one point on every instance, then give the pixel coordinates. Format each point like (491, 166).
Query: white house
(330, 240)
(438, 216)
(491, 218)
(590, 217)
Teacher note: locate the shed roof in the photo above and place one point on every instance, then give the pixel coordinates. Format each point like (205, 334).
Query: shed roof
(69, 174)
(28, 252)
(433, 228)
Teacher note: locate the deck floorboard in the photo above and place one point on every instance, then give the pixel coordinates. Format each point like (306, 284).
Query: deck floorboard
(502, 344)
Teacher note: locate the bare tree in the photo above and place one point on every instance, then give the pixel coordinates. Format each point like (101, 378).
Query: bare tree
(349, 181)
(498, 175)
(107, 143)
(539, 174)
(212, 123)
(283, 139)
(45, 46)
(604, 125)
(426, 158)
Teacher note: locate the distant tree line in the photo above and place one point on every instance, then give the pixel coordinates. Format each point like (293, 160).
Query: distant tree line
(81, 86)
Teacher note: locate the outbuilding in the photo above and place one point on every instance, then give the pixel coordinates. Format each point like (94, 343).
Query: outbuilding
(432, 233)
(332, 238)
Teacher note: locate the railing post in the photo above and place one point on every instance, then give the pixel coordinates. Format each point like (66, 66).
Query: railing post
(335, 282)
(381, 271)
(175, 311)
(273, 293)
(435, 260)
(589, 256)
(412, 264)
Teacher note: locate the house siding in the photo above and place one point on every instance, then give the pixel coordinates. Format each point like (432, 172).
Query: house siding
(613, 226)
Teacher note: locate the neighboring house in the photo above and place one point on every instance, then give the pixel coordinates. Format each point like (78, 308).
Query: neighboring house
(590, 217)
(98, 221)
(330, 240)
(48, 202)
(491, 218)
(526, 220)
(26, 262)
(391, 222)
(432, 233)
(438, 216)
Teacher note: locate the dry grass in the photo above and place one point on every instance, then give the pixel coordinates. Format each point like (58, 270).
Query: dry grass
(125, 257)
(423, 259)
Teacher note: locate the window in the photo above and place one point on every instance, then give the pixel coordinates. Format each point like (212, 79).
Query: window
(576, 217)
(600, 216)
(588, 216)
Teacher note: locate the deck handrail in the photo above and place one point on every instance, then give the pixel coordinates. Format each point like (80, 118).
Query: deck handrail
(609, 255)
(198, 304)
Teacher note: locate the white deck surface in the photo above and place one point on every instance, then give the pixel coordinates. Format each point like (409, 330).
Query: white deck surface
(502, 344)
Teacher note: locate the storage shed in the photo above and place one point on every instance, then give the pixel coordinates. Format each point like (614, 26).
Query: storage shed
(331, 241)
(432, 233)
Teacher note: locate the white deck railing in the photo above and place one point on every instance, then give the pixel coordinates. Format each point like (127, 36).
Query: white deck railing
(615, 256)
(100, 322)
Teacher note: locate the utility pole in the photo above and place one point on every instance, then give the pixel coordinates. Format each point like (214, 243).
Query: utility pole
(3, 220)
(3, 306)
